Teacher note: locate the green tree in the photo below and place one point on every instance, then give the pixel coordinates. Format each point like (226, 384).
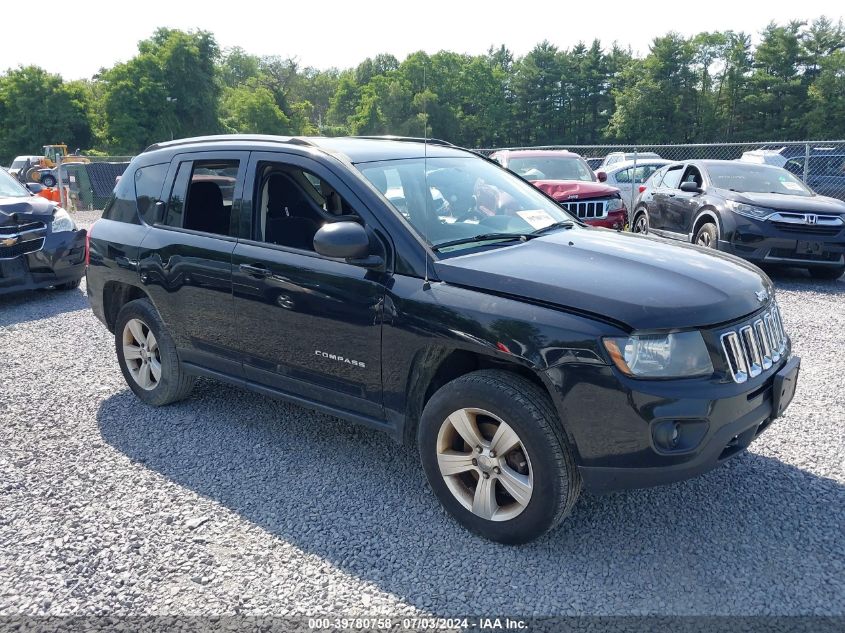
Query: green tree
(252, 109)
(658, 101)
(826, 112)
(38, 108)
(166, 91)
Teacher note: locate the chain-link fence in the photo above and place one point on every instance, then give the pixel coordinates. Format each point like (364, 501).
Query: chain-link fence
(820, 164)
(87, 181)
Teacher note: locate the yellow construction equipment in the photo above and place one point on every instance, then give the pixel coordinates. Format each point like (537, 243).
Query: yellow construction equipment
(44, 172)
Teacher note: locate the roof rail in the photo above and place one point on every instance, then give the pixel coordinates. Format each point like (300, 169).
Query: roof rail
(222, 138)
(408, 139)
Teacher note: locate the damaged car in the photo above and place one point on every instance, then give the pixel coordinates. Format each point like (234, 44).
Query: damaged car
(40, 245)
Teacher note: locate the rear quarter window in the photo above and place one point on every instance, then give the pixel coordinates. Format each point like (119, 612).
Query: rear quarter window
(149, 181)
(121, 205)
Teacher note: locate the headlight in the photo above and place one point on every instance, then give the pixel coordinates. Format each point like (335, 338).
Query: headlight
(614, 204)
(677, 355)
(62, 221)
(748, 210)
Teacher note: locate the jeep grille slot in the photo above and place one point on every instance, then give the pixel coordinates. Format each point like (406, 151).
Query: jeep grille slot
(586, 210)
(754, 347)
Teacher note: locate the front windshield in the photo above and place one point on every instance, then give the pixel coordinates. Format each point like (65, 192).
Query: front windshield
(461, 198)
(551, 168)
(756, 179)
(11, 188)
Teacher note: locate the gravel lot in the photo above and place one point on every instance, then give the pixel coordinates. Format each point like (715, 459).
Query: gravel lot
(234, 503)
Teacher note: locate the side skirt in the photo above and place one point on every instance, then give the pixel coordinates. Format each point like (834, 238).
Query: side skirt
(392, 429)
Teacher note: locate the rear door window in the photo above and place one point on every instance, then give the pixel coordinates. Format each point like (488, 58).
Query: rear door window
(202, 197)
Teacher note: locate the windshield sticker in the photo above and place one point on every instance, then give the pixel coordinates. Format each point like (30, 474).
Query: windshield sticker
(792, 185)
(537, 218)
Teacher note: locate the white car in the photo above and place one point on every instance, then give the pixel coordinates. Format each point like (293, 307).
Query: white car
(615, 158)
(627, 176)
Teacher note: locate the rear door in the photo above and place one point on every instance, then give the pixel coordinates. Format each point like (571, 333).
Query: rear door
(185, 260)
(668, 189)
(308, 325)
(682, 206)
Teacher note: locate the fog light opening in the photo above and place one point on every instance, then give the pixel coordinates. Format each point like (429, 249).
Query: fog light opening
(678, 435)
(667, 435)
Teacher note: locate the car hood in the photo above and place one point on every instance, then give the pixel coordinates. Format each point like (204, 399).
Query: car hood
(802, 204)
(565, 190)
(639, 281)
(17, 210)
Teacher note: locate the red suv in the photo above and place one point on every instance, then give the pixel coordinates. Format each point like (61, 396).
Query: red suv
(567, 178)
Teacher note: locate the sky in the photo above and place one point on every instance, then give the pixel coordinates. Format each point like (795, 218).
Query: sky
(87, 35)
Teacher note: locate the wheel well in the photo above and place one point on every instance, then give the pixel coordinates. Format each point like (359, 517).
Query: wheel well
(703, 218)
(453, 365)
(638, 211)
(115, 295)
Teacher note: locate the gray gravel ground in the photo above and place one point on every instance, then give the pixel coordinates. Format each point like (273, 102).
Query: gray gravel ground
(234, 503)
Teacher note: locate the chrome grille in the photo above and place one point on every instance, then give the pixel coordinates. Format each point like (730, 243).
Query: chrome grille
(20, 239)
(587, 209)
(754, 347)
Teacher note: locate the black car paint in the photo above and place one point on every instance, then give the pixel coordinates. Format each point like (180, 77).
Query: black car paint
(60, 260)
(419, 320)
(678, 214)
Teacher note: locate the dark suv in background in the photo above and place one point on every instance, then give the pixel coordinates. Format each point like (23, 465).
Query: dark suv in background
(759, 212)
(526, 354)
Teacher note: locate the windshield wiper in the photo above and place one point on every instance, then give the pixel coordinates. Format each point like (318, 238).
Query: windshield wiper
(566, 224)
(484, 237)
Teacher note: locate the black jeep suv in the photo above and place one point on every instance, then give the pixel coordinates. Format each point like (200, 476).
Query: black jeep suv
(525, 353)
(761, 213)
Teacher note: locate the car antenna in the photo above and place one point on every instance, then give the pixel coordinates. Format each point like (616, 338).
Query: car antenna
(427, 191)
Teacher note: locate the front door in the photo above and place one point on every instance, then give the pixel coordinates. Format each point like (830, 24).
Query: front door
(309, 325)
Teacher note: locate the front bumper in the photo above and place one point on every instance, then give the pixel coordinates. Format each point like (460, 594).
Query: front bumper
(763, 242)
(612, 419)
(613, 220)
(60, 260)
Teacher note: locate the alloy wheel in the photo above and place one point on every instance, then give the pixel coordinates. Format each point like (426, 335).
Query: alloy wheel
(484, 464)
(703, 239)
(141, 354)
(641, 224)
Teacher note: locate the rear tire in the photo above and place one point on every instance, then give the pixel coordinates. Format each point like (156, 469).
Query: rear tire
(640, 224)
(707, 236)
(152, 369)
(515, 495)
(830, 274)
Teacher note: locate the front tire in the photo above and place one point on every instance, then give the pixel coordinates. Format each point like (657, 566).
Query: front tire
(48, 180)
(70, 285)
(830, 274)
(496, 456)
(147, 355)
(707, 236)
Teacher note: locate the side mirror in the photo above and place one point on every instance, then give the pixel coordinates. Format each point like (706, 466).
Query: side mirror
(601, 175)
(691, 187)
(35, 187)
(343, 240)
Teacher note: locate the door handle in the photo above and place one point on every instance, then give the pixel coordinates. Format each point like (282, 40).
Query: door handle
(256, 270)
